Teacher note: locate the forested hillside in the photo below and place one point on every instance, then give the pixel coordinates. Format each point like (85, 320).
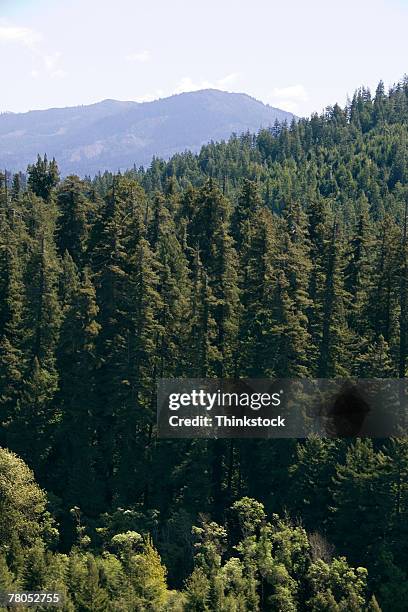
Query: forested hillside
(280, 254)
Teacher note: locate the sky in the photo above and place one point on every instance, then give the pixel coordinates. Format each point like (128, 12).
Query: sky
(297, 55)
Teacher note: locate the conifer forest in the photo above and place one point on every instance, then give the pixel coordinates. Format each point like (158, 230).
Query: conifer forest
(281, 254)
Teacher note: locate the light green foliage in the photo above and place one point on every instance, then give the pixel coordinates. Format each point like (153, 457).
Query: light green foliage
(339, 583)
(22, 504)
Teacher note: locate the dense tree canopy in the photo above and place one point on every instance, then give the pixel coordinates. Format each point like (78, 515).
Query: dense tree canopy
(280, 254)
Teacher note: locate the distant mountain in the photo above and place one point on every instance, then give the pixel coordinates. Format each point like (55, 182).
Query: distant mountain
(115, 135)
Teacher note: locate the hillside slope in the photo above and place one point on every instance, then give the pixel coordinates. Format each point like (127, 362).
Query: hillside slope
(116, 135)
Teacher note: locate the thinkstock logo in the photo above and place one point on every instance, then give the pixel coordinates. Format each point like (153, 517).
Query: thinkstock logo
(281, 408)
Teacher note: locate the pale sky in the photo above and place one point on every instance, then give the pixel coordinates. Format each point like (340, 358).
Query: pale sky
(297, 55)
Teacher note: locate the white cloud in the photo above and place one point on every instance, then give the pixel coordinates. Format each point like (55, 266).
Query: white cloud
(50, 61)
(51, 65)
(149, 97)
(46, 63)
(293, 92)
(228, 80)
(58, 74)
(142, 57)
(289, 97)
(188, 84)
(17, 34)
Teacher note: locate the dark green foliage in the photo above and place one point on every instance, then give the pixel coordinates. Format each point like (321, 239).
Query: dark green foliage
(43, 177)
(75, 211)
(281, 254)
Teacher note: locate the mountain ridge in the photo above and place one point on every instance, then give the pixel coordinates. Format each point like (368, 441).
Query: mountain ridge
(116, 134)
(146, 102)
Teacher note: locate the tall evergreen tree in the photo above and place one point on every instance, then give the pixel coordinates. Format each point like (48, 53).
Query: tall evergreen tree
(76, 443)
(75, 211)
(43, 177)
(335, 334)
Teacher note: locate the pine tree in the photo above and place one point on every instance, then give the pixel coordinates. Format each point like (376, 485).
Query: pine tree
(138, 414)
(12, 359)
(220, 262)
(35, 569)
(16, 187)
(334, 336)
(6, 577)
(43, 177)
(160, 217)
(197, 592)
(249, 201)
(291, 302)
(376, 361)
(42, 317)
(379, 104)
(317, 231)
(69, 281)
(93, 598)
(311, 475)
(148, 577)
(203, 353)
(357, 273)
(256, 345)
(403, 348)
(384, 295)
(122, 273)
(174, 288)
(76, 442)
(73, 223)
(223, 281)
(361, 502)
(396, 450)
